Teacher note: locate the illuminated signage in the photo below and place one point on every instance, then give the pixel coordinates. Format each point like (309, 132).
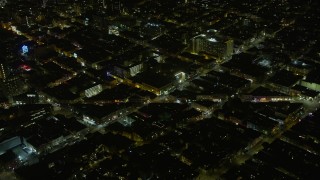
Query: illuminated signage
(25, 49)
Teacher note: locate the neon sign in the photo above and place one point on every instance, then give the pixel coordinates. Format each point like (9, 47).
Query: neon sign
(25, 49)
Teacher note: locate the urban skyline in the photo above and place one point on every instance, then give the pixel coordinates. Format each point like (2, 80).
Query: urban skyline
(144, 89)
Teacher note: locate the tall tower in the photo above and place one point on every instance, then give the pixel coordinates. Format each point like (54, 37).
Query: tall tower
(3, 73)
(44, 3)
(3, 3)
(104, 4)
(116, 6)
(229, 50)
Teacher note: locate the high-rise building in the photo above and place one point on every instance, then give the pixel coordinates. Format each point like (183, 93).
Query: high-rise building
(13, 86)
(3, 73)
(25, 98)
(112, 5)
(128, 70)
(151, 30)
(213, 45)
(229, 50)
